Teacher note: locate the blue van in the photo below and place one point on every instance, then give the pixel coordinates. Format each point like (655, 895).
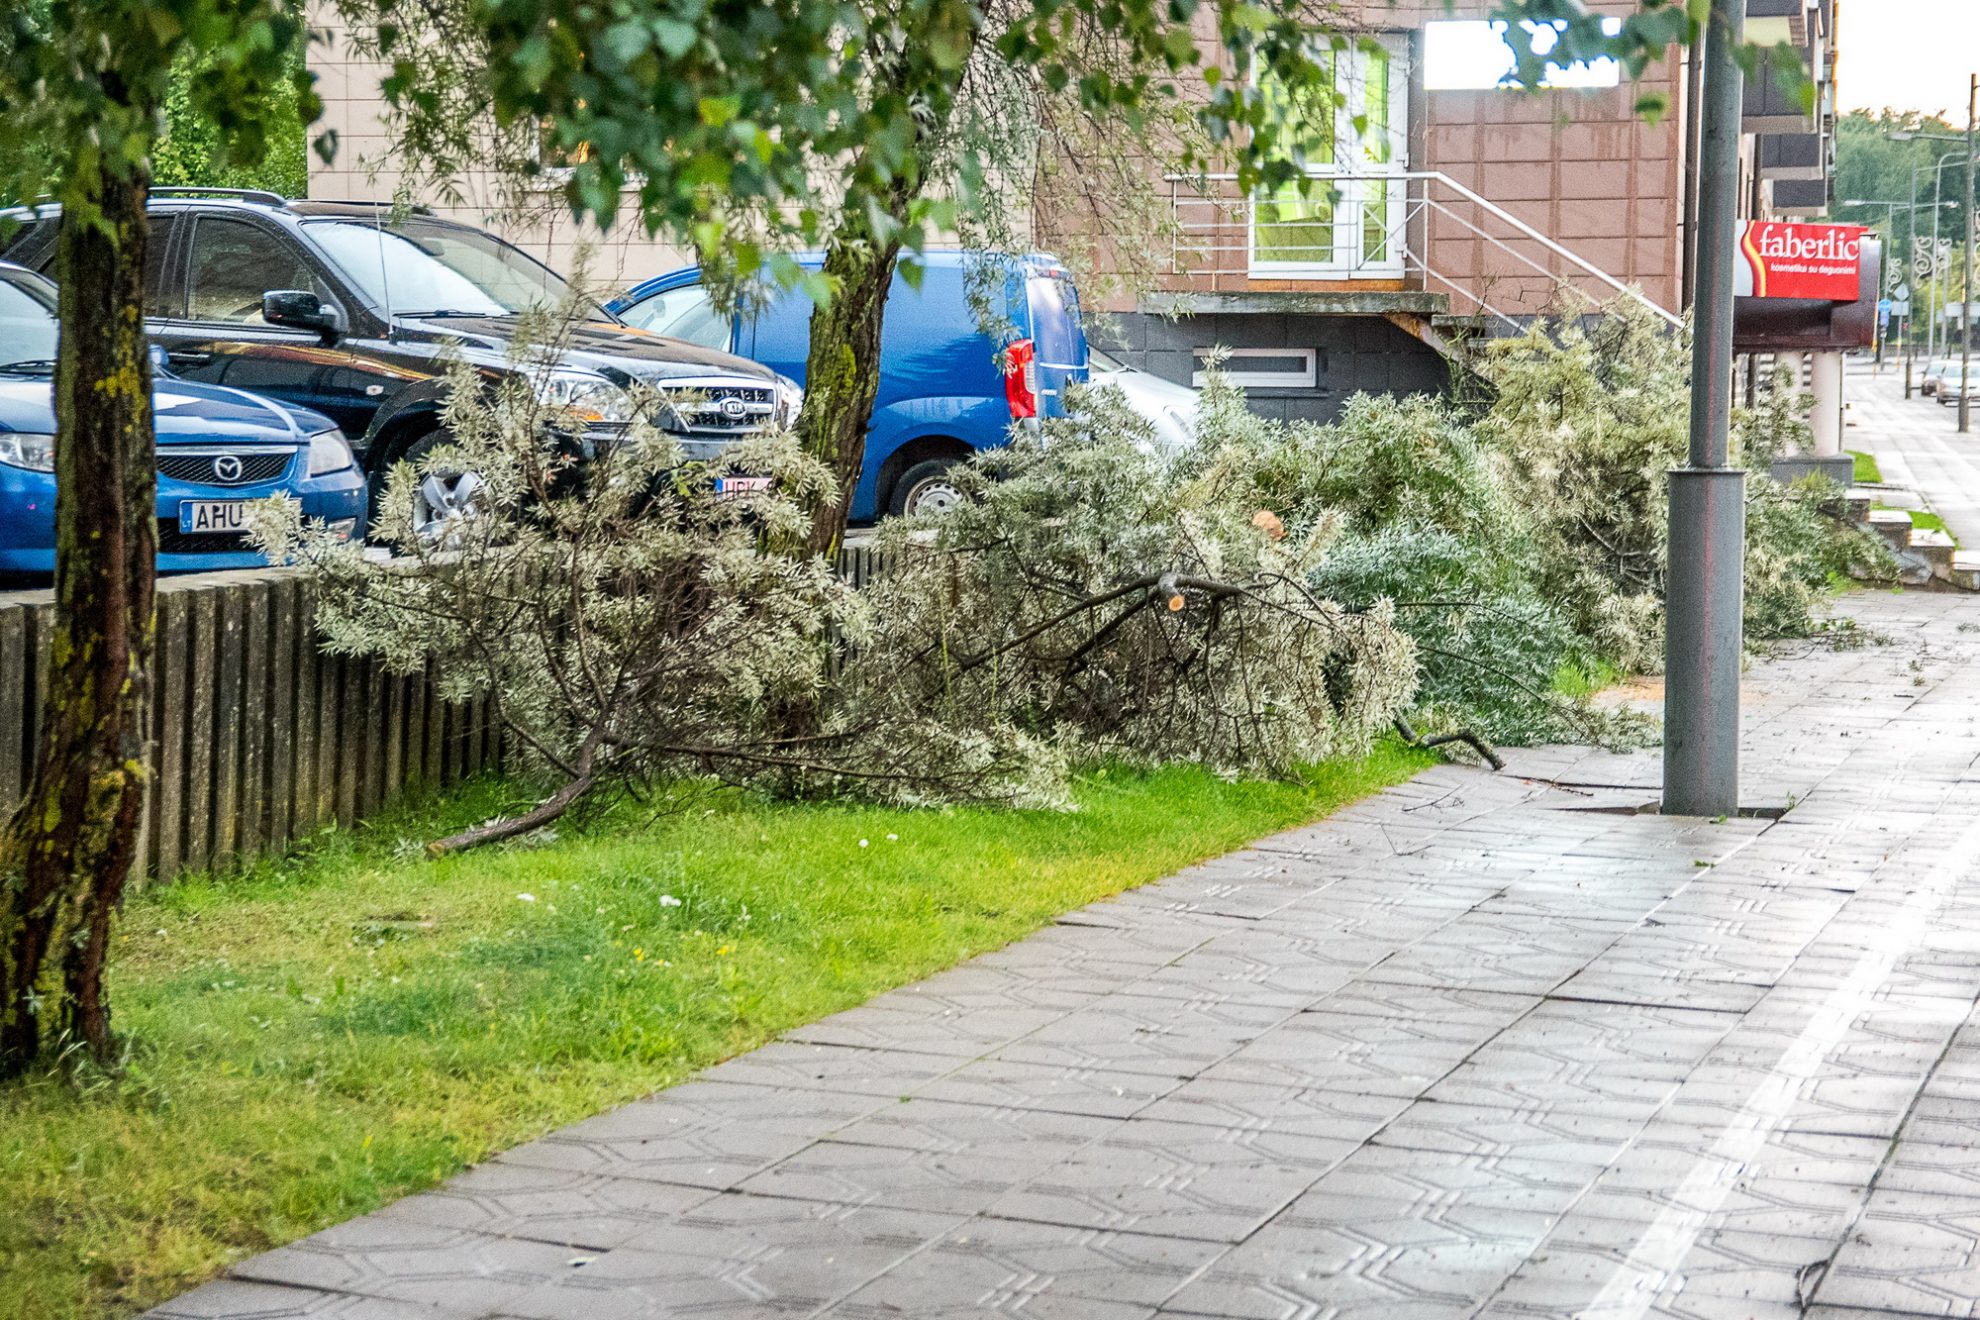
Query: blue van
(949, 384)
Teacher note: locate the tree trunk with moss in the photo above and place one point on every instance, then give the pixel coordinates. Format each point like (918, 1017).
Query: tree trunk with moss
(842, 365)
(926, 62)
(72, 842)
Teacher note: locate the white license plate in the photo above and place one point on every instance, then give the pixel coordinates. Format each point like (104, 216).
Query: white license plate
(219, 517)
(741, 485)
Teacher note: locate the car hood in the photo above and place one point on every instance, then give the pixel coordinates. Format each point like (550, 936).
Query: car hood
(616, 351)
(1147, 390)
(182, 411)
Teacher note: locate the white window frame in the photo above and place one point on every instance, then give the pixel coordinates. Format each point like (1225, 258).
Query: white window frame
(1304, 379)
(1348, 262)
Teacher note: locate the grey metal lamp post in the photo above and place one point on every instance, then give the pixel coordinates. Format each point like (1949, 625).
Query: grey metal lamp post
(1704, 590)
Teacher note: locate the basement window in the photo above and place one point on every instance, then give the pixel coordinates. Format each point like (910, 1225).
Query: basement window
(1263, 368)
(1472, 55)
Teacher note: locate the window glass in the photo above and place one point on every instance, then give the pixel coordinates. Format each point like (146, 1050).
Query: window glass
(27, 321)
(34, 247)
(1295, 223)
(683, 313)
(1054, 320)
(233, 264)
(1372, 71)
(1308, 112)
(417, 268)
(164, 290)
(1350, 124)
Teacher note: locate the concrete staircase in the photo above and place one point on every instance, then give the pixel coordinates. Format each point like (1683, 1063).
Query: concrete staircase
(1926, 558)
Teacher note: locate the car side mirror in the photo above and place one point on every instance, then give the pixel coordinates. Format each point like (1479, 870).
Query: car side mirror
(299, 309)
(161, 361)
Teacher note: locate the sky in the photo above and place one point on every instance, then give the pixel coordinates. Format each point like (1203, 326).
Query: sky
(1908, 54)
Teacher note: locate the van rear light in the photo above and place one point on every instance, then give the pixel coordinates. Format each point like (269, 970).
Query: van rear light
(1021, 379)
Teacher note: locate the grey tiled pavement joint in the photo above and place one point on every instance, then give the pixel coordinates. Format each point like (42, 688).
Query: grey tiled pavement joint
(1482, 1046)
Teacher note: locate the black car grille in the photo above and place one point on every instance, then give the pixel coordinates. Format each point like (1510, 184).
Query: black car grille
(724, 410)
(215, 467)
(172, 541)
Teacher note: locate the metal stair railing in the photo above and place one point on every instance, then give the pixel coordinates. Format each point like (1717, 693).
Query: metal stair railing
(1217, 229)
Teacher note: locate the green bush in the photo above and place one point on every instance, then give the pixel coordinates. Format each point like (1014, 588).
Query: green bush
(1523, 545)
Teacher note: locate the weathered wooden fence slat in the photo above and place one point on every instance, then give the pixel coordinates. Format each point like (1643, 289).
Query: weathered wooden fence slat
(259, 737)
(15, 756)
(168, 755)
(200, 680)
(281, 712)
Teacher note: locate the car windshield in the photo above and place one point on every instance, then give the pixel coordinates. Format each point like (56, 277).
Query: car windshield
(1099, 359)
(27, 325)
(683, 313)
(416, 268)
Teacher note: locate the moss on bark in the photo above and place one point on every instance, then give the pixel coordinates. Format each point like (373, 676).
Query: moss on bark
(71, 845)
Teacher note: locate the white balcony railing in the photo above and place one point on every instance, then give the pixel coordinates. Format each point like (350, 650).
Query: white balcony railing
(1379, 226)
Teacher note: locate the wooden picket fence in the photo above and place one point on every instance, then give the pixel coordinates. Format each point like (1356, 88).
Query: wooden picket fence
(258, 736)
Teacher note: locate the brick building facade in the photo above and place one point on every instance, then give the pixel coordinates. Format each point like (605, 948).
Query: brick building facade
(1453, 206)
(1460, 207)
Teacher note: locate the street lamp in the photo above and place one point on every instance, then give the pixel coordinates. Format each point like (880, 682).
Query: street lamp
(1911, 210)
(1703, 628)
(1966, 276)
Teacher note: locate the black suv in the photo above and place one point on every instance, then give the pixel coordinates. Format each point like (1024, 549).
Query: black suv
(340, 307)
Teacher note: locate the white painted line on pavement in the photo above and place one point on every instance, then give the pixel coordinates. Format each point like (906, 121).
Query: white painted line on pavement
(1669, 1238)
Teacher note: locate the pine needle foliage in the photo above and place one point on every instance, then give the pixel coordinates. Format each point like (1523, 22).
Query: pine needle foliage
(631, 625)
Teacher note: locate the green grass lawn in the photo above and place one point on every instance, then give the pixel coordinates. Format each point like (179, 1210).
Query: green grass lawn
(323, 1034)
(1923, 520)
(1866, 467)
(1927, 521)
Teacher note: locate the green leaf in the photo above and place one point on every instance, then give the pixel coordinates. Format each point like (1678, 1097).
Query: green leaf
(675, 37)
(715, 111)
(625, 42)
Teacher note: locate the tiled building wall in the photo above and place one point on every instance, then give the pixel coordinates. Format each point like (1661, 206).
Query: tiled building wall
(1353, 354)
(364, 170)
(1581, 167)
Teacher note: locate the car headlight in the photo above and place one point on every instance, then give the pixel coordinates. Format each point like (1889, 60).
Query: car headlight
(329, 452)
(790, 401)
(27, 449)
(585, 395)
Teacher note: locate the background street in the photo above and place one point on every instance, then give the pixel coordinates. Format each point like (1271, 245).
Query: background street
(1917, 445)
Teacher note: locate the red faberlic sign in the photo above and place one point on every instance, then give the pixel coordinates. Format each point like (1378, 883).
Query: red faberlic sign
(1781, 260)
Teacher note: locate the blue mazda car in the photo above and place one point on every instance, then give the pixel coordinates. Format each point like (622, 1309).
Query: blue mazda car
(217, 450)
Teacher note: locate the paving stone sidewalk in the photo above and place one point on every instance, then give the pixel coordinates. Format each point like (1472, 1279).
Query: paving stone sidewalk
(1482, 1046)
(1917, 445)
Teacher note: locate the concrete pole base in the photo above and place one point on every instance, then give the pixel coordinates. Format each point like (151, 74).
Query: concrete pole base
(1704, 605)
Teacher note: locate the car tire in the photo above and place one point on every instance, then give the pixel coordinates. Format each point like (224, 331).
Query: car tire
(926, 489)
(440, 497)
